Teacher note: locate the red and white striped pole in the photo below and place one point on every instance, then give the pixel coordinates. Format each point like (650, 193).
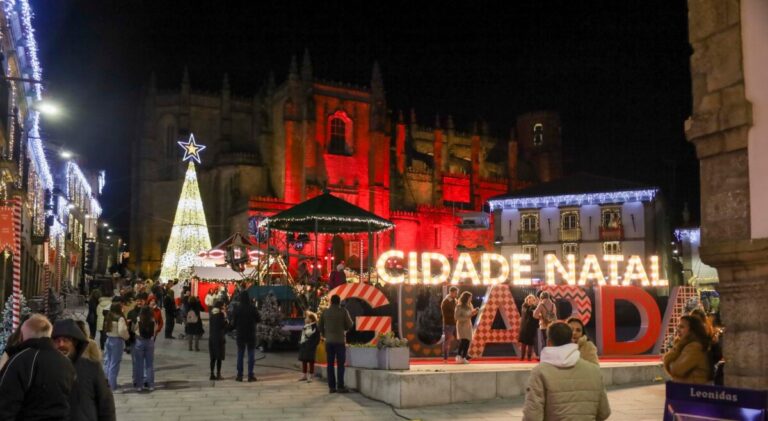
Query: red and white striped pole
(16, 203)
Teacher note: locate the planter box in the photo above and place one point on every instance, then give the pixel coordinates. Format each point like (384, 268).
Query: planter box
(395, 358)
(363, 357)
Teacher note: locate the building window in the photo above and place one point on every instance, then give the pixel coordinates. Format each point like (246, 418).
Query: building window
(571, 248)
(538, 134)
(437, 238)
(171, 148)
(612, 247)
(529, 222)
(532, 251)
(611, 217)
(338, 143)
(569, 220)
(234, 186)
(510, 228)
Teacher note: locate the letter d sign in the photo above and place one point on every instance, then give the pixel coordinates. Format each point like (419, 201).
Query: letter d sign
(650, 320)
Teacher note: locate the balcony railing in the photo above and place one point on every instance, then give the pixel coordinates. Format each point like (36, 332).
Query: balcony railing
(570, 234)
(612, 234)
(528, 237)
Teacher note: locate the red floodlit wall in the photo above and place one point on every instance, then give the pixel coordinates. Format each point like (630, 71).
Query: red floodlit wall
(456, 188)
(475, 238)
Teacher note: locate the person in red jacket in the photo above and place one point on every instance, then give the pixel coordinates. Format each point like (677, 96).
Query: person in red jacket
(157, 314)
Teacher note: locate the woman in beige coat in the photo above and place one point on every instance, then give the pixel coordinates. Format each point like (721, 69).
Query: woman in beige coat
(587, 349)
(463, 314)
(688, 360)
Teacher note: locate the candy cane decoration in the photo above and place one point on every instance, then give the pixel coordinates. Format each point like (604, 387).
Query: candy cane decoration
(16, 203)
(374, 298)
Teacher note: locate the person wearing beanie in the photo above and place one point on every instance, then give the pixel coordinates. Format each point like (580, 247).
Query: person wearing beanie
(337, 277)
(90, 399)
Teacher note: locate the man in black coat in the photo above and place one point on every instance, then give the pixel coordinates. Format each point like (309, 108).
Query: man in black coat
(169, 305)
(36, 382)
(245, 318)
(91, 399)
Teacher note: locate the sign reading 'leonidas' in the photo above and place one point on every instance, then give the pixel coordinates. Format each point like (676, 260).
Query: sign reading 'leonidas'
(435, 268)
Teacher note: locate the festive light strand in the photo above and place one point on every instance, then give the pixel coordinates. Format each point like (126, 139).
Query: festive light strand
(573, 199)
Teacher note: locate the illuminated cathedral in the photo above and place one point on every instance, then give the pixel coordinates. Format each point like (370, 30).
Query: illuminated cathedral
(289, 142)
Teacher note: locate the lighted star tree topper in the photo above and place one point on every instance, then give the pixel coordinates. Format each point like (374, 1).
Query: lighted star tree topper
(189, 234)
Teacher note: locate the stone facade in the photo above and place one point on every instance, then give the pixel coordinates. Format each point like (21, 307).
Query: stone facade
(723, 128)
(289, 142)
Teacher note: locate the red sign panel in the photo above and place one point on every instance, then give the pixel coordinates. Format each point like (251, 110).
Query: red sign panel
(7, 233)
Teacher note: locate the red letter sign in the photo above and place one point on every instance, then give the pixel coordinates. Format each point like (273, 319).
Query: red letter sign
(650, 320)
(497, 298)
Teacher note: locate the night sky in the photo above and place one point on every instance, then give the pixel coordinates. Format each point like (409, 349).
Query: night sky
(616, 71)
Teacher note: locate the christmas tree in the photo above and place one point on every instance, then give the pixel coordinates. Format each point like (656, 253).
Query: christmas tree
(6, 320)
(270, 329)
(189, 234)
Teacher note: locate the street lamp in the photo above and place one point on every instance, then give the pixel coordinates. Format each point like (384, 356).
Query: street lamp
(66, 154)
(48, 108)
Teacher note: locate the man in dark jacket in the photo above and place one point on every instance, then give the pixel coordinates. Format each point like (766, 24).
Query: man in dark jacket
(91, 399)
(245, 318)
(334, 324)
(36, 382)
(169, 305)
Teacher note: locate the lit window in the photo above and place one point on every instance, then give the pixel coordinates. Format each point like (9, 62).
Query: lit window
(529, 222)
(571, 248)
(338, 144)
(612, 247)
(538, 134)
(532, 251)
(611, 217)
(569, 220)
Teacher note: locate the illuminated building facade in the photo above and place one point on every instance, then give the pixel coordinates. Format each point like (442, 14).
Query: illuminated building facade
(582, 215)
(289, 142)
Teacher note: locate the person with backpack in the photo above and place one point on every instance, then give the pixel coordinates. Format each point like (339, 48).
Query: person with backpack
(216, 339)
(144, 351)
(193, 327)
(102, 311)
(546, 313)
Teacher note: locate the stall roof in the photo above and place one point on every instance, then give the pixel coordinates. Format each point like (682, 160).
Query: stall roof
(216, 273)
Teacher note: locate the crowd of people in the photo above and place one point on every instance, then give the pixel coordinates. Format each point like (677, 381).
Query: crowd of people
(57, 371)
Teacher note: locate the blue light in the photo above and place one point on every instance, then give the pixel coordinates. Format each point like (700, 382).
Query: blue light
(574, 199)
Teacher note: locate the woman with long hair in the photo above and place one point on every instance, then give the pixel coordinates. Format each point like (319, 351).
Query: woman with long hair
(117, 333)
(587, 349)
(463, 315)
(217, 325)
(688, 360)
(529, 327)
(715, 347)
(144, 349)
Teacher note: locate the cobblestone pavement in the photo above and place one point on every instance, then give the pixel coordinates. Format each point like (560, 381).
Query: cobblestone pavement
(185, 393)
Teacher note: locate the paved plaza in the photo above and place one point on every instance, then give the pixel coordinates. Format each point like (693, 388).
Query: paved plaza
(185, 393)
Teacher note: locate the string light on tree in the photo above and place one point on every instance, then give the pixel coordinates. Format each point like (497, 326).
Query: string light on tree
(189, 234)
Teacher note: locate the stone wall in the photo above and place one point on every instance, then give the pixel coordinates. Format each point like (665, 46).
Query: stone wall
(719, 127)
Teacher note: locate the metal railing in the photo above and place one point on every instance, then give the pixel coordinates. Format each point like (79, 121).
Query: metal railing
(570, 234)
(528, 236)
(612, 234)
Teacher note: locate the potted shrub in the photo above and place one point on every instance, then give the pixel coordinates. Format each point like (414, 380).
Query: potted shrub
(362, 356)
(394, 353)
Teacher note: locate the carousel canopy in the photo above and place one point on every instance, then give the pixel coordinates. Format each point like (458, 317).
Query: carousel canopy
(236, 239)
(327, 214)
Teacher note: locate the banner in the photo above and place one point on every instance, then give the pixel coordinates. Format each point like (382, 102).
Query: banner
(713, 403)
(7, 232)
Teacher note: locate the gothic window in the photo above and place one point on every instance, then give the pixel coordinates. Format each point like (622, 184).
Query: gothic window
(171, 148)
(339, 134)
(234, 186)
(538, 134)
(338, 137)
